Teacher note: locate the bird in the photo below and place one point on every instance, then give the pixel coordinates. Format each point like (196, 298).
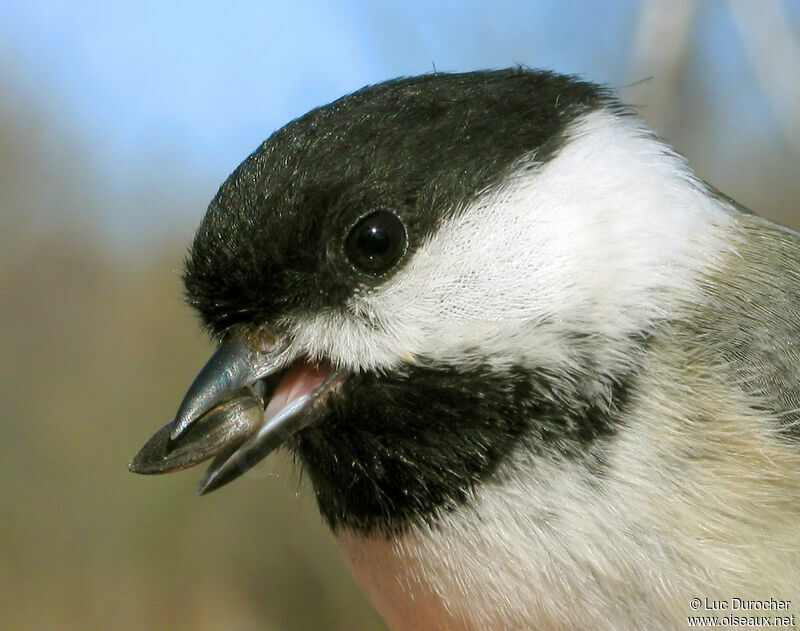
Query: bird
(539, 373)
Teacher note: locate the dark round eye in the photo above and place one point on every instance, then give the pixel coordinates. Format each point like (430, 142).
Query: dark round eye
(376, 242)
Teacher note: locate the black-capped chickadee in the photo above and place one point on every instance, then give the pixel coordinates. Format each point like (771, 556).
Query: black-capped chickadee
(540, 375)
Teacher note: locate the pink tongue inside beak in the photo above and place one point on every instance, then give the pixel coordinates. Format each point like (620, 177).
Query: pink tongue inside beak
(302, 377)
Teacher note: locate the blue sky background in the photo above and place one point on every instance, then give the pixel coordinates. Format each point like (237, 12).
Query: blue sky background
(171, 96)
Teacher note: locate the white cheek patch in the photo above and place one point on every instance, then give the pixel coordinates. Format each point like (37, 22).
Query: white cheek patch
(599, 241)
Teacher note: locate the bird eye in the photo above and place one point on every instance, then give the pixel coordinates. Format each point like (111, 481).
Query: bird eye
(376, 242)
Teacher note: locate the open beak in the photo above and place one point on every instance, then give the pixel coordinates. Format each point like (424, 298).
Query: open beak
(243, 405)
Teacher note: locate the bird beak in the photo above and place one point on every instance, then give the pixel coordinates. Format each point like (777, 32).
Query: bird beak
(242, 406)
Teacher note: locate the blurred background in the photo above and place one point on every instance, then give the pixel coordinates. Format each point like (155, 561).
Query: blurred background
(119, 120)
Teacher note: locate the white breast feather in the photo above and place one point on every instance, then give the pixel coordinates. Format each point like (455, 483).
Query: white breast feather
(608, 239)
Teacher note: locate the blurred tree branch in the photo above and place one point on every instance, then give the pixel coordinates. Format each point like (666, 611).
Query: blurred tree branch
(774, 51)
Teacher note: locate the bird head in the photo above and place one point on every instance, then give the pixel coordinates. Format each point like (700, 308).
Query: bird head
(428, 277)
